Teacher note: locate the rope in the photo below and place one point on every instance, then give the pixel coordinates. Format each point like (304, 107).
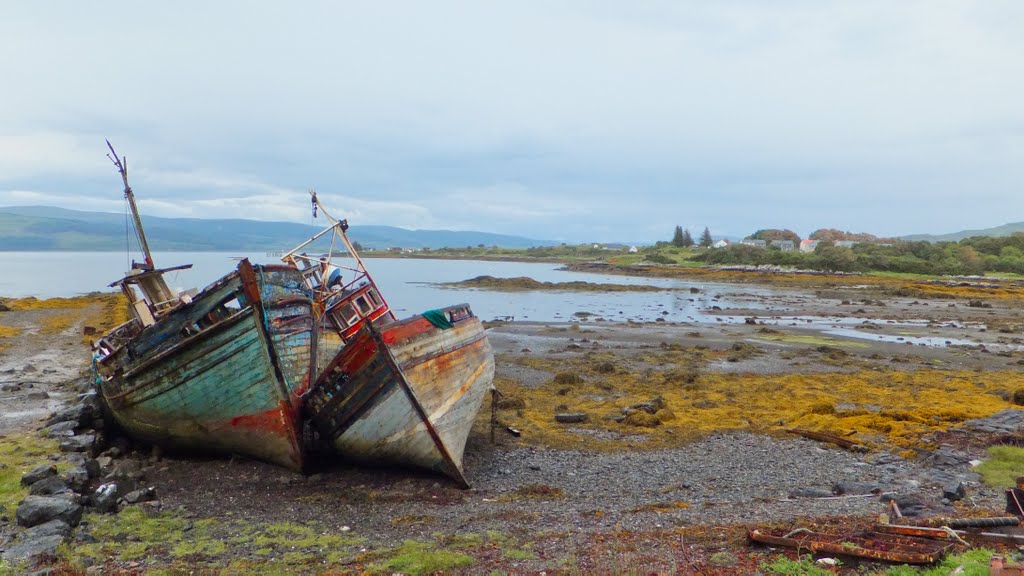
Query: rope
(953, 535)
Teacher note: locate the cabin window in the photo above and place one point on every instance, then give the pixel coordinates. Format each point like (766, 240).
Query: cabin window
(233, 304)
(348, 313)
(374, 297)
(363, 305)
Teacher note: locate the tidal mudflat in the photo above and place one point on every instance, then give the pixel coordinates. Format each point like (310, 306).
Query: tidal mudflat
(641, 446)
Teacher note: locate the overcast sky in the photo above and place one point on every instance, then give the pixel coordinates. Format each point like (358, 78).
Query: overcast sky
(573, 121)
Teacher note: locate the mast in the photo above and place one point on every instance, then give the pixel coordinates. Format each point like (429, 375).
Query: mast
(122, 168)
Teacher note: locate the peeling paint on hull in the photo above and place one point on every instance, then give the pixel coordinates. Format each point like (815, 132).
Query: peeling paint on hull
(407, 396)
(232, 387)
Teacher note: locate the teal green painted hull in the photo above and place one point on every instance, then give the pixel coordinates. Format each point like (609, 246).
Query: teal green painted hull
(232, 387)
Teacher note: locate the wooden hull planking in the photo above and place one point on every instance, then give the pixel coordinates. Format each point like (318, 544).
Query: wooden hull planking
(232, 387)
(406, 395)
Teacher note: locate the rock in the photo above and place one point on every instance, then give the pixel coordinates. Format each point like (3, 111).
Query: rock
(954, 491)
(810, 493)
(910, 504)
(76, 413)
(105, 462)
(841, 488)
(648, 407)
(51, 528)
(38, 473)
(66, 428)
(35, 510)
(104, 499)
(83, 443)
(92, 467)
(10, 387)
(48, 486)
(142, 495)
(37, 395)
(127, 469)
(78, 478)
(571, 417)
(723, 559)
(33, 550)
(946, 457)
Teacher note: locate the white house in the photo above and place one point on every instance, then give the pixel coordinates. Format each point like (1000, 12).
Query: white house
(808, 245)
(720, 244)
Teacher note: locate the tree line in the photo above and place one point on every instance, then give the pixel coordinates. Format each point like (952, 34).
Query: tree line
(971, 256)
(681, 238)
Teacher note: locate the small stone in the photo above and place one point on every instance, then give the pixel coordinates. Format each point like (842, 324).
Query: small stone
(141, 495)
(33, 550)
(954, 491)
(35, 510)
(38, 473)
(841, 488)
(78, 478)
(48, 486)
(60, 429)
(83, 443)
(571, 418)
(51, 528)
(74, 413)
(37, 395)
(810, 493)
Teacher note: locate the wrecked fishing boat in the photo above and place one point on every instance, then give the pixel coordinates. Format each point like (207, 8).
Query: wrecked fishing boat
(390, 392)
(218, 371)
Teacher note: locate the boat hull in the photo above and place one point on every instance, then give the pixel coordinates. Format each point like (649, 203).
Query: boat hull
(231, 387)
(406, 393)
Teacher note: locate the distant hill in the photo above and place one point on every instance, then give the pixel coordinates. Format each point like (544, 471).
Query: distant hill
(1004, 230)
(42, 228)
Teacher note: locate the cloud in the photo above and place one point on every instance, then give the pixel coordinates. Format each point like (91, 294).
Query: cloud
(552, 120)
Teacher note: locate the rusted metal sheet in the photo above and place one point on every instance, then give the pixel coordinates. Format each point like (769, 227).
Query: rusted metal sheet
(1000, 566)
(943, 534)
(888, 548)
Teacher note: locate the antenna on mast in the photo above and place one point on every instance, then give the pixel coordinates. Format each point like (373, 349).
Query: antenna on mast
(122, 168)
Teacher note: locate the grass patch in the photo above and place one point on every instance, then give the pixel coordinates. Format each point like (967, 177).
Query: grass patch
(972, 562)
(812, 340)
(414, 558)
(172, 543)
(19, 454)
(1004, 465)
(9, 331)
(802, 566)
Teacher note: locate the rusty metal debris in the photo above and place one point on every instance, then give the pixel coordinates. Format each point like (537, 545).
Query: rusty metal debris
(829, 438)
(998, 566)
(987, 522)
(872, 545)
(945, 533)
